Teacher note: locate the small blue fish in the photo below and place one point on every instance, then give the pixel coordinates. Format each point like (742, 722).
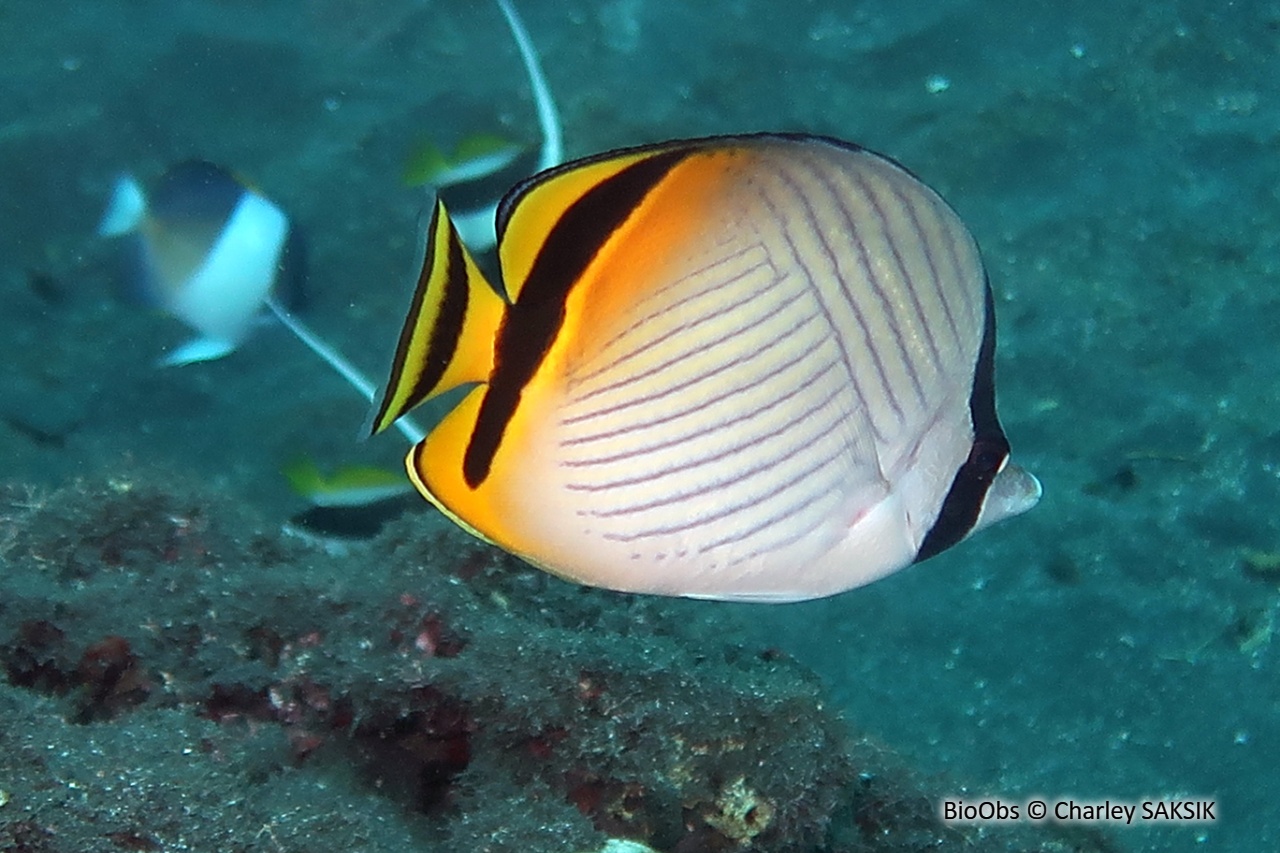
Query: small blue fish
(207, 250)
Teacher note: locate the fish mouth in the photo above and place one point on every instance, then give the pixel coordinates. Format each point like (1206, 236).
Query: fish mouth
(1013, 491)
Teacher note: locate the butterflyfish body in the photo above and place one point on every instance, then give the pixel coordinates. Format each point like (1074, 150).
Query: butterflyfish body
(207, 250)
(754, 368)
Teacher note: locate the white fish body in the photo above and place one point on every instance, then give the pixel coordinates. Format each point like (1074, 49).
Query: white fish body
(209, 253)
(223, 299)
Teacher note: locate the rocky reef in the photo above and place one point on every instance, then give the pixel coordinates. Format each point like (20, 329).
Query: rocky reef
(182, 675)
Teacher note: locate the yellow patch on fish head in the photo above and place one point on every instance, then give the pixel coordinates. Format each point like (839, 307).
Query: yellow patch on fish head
(678, 223)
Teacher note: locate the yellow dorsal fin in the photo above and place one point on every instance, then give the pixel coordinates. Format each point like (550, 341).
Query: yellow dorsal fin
(535, 207)
(448, 335)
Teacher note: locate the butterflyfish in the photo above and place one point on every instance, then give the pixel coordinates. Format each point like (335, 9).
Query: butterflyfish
(207, 250)
(754, 368)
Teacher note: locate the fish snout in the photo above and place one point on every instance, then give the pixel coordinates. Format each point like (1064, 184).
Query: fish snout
(1013, 491)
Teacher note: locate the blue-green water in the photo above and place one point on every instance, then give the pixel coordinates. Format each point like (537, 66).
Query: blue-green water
(1116, 161)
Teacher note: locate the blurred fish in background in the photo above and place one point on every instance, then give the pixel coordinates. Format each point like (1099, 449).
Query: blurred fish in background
(353, 485)
(207, 250)
(474, 177)
(471, 178)
(212, 252)
(221, 257)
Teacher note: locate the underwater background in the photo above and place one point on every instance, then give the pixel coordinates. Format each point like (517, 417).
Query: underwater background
(183, 674)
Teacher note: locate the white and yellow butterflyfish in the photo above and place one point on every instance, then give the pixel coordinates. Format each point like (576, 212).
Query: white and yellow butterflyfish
(753, 368)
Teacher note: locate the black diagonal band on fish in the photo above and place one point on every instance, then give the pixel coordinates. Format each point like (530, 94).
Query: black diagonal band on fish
(535, 318)
(755, 368)
(990, 451)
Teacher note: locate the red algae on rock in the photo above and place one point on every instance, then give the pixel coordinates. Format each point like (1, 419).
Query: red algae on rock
(421, 691)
